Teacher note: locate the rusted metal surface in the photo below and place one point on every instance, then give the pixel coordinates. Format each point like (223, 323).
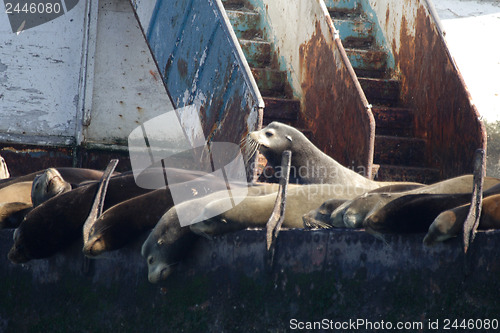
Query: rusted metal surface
(24, 159)
(433, 86)
(201, 63)
(340, 119)
(333, 109)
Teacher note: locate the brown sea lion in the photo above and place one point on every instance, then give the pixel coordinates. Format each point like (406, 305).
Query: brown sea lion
(12, 213)
(416, 212)
(351, 214)
(450, 223)
(17, 192)
(168, 242)
(309, 165)
(57, 223)
(44, 187)
(322, 216)
(48, 185)
(71, 175)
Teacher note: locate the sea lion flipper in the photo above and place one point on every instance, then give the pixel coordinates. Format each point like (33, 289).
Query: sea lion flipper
(98, 204)
(274, 223)
(472, 219)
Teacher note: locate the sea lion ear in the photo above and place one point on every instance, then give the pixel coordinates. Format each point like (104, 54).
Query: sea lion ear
(289, 138)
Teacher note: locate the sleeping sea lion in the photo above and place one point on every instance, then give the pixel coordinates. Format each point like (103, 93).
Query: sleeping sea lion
(48, 185)
(321, 217)
(255, 211)
(352, 213)
(416, 212)
(168, 242)
(450, 223)
(57, 223)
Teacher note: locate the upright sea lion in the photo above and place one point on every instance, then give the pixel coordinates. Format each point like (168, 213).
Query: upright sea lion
(4, 170)
(450, 223)
(309, 165)
(48, 185)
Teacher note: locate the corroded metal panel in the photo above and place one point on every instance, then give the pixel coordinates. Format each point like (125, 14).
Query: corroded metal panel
(432, 85)
(333, 105)
(39, 79)
(201, 63)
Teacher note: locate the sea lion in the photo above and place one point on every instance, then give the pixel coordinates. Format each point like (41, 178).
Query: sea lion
(12, 213)
(44, 187)
(352, 213)
(168, 242)
(309, 165)
(4, 170)
(73, 176)
(48, 185)
(17, 192)
(321, 217)
(123, 222)
(416, 212)
(255, 211)
(450, 223)
(167, 245)
(57, 223)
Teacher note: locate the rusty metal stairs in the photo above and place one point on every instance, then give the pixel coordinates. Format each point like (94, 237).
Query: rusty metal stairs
(397, 153)
(273, 84)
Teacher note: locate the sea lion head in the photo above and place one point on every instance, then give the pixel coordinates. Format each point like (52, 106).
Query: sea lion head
(272, 140)
(94, 246)
(47, 185)
(165, 246)
(17, 253)
(440, 229)
(320, 217)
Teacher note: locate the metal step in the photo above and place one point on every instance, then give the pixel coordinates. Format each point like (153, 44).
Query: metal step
(395, 150)
(257, 52)
(281, 109)
(246, 23)
(409, 174)
(354, 42)
(392, 121)
(372, 60)
(271, 82)
(236, 4)
(381, 91)
(353, 28)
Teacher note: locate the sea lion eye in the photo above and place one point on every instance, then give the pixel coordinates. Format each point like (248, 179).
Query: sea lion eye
(289, 138)
(269, 134)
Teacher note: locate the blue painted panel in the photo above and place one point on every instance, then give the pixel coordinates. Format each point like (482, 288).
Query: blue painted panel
(200, 62)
